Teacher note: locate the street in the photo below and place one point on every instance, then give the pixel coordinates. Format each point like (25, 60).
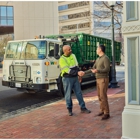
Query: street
(14, 102)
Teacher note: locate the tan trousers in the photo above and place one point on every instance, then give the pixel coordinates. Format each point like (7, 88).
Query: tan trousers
(102, 86)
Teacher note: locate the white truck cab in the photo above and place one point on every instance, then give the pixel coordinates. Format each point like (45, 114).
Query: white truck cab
(32, 64)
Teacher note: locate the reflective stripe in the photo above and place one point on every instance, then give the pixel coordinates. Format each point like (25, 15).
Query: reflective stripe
(75, 59)
(64, 67)
(73, 66)
(69, 71)
(66, 62)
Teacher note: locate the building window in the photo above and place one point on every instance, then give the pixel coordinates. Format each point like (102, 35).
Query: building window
(63, 7)
(10, 11)
(3, 11)
(101, 13)
(6, 16)
(98, 2)
(78, 15)
(65, 17)
(133, 70)
(78, 4)
(74, 26)
(73, 5)
(132, 10)
(72, 16)
(101, 24)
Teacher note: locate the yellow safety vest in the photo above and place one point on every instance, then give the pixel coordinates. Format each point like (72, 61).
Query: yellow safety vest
(66, 63)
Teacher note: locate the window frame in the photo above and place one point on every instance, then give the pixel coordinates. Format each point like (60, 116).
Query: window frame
(131, 101)
(50, 50)
(128, 18)
(6, 17)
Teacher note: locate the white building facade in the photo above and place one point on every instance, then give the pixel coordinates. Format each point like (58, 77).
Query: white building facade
(75, 16)
(131, 32)
(80, 16)
(33, 18)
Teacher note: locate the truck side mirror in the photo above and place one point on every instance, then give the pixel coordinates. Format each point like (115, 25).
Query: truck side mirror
(56, 51)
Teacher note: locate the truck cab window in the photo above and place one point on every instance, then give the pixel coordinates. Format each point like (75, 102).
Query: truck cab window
(51, 49)
(26, 50)
(31, 52)
(35, 50)
(13, 50)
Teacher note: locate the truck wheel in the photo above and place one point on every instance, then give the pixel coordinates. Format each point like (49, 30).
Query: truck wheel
(34, 91)
(31, 91)
(60, 87)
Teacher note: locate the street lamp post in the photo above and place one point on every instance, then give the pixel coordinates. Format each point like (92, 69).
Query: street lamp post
(113, 83)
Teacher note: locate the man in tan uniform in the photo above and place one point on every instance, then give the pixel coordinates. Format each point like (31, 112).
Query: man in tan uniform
(101, 69)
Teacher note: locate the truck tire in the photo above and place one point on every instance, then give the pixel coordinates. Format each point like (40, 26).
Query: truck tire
(33, 91)
(29, 91)
(60, 87)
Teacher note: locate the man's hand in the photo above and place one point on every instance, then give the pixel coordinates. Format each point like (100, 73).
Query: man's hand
(81, 73)
(94, 70)
(80, 79)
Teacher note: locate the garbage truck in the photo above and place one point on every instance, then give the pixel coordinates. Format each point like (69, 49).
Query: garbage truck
(33, 64)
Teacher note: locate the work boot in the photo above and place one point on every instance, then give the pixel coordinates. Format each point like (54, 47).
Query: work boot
(70, 111)
(105, 117)
(100, 114)
(85, 110)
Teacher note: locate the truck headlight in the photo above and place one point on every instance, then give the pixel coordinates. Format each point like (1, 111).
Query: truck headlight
(4, 77)
(38, 79)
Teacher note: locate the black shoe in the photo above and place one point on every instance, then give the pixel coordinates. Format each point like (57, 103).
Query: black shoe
(100, 114)
(105, 117)
(85, 110)
(70, 112)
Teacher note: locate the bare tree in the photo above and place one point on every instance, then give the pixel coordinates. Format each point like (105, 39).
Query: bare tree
(3, 42)
(102, 17)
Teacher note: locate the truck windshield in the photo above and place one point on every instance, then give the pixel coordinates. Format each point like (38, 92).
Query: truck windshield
(26, 50)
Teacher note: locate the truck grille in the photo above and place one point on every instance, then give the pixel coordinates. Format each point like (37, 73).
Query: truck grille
(20, 73)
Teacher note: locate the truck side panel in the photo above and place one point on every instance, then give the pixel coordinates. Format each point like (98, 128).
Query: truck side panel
(85, 48)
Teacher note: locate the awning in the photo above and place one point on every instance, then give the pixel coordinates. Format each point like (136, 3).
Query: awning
(6, 30)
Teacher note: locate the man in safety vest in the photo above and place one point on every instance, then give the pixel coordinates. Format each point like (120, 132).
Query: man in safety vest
(70, 72)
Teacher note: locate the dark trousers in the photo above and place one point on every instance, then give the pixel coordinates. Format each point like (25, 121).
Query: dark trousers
(102, 86)
(70, 84)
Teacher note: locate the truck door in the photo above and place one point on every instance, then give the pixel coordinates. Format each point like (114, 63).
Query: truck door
(53, 67)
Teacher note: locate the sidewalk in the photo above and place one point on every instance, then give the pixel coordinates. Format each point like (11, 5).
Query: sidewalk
(52, 121)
